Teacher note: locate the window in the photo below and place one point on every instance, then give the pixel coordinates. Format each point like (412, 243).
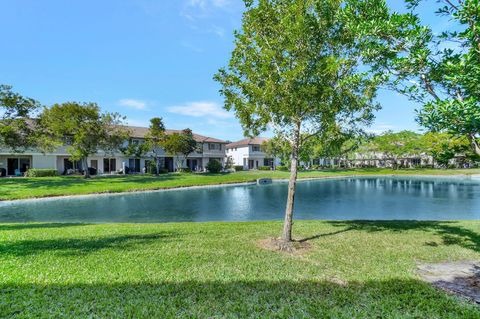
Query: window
(134, 165)
(255, 148)
(109, 165)
(213, 146)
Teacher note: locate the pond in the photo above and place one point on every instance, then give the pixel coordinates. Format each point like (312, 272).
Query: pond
(369, 198)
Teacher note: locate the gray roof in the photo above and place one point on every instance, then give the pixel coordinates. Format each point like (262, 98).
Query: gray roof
(140, 132)
(248, 141)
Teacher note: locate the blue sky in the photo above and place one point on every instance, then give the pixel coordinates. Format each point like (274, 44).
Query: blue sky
(141, 58)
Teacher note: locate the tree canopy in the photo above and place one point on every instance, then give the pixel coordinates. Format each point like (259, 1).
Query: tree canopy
(181, 144)
(155, 140)
(16, 131)
(440, 71)
(296, 68)
(83, 128)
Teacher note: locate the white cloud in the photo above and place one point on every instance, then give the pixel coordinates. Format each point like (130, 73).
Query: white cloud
(134, 104)
(200, 109)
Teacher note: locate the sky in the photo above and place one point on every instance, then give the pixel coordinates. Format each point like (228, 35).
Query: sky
(143, 59)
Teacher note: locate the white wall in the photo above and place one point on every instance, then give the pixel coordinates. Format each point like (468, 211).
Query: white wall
(44, 161)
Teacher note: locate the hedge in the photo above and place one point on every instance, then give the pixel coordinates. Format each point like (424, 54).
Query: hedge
(238, 168)
(265, 168)
(41, 172)
(282, 168)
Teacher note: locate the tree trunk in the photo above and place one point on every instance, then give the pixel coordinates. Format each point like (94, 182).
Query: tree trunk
(292, 185)
(157, 166)
(86, 172)
(474, 143)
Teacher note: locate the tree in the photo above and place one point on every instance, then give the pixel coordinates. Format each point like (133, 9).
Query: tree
(83, 128)
(155, 139)
(397, 145)
(295, 67)
(180, 144)
(16, 131)
(136, 150)
(443, 147)
(441, 71)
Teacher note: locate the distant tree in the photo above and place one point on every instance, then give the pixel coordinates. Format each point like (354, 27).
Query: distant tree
(443, 147)
(84, 129)
(397, 145)
(229, 162)
(16, 131)
(439, 70)
(136, 150)
(295, 67)
(155, 140)
(181, 144)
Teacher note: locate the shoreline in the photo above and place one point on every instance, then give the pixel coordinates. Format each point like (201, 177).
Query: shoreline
(227, 184)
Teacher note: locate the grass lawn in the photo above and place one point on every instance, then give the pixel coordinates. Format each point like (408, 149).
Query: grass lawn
(19, 188)
(217, 270)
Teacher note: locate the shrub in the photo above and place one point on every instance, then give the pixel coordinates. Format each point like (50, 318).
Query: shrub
(238, 168)
(152, 169)
(41, 172)
(184, 170)
(265, 168)
(282, 168)
(214, 166)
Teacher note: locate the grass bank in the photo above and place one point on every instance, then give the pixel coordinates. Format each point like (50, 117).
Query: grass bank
(217, 270)
(21, 188)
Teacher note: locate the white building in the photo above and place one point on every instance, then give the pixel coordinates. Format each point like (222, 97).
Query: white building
(249, 154)
(14, 163)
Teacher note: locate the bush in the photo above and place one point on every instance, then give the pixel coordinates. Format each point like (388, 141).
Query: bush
(238, 168)
(265, 168)
(41, 172)
(184, 170)
(282, 168)
(214, 166)
(152, 169)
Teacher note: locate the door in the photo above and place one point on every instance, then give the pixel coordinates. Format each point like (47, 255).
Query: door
(250, 164)
(106, 165)
(113, 165)
(24, 165)
(12, 165)
(94, 164)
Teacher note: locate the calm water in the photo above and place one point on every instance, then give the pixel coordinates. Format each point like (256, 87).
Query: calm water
(351, 198)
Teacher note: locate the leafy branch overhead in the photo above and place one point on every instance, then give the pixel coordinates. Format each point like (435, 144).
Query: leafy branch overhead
(441, 71)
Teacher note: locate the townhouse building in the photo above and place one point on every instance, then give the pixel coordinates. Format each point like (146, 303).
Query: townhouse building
(249, 154)
(16, 164)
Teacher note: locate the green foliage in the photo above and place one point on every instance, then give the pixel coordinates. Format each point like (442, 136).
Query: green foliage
(296, 68)
(238, 168)
(15, 128)
(265, 168)
(135, 150)
(281, 168)
(41, 172)
(443, 147)
(155, 139)
(180, 144)
(440, 70)
(83, 128)
(214, 166)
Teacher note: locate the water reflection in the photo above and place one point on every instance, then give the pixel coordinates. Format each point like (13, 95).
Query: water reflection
(349, 198)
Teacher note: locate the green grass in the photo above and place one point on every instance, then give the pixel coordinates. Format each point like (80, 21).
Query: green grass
(217, 270)
(20, 188)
